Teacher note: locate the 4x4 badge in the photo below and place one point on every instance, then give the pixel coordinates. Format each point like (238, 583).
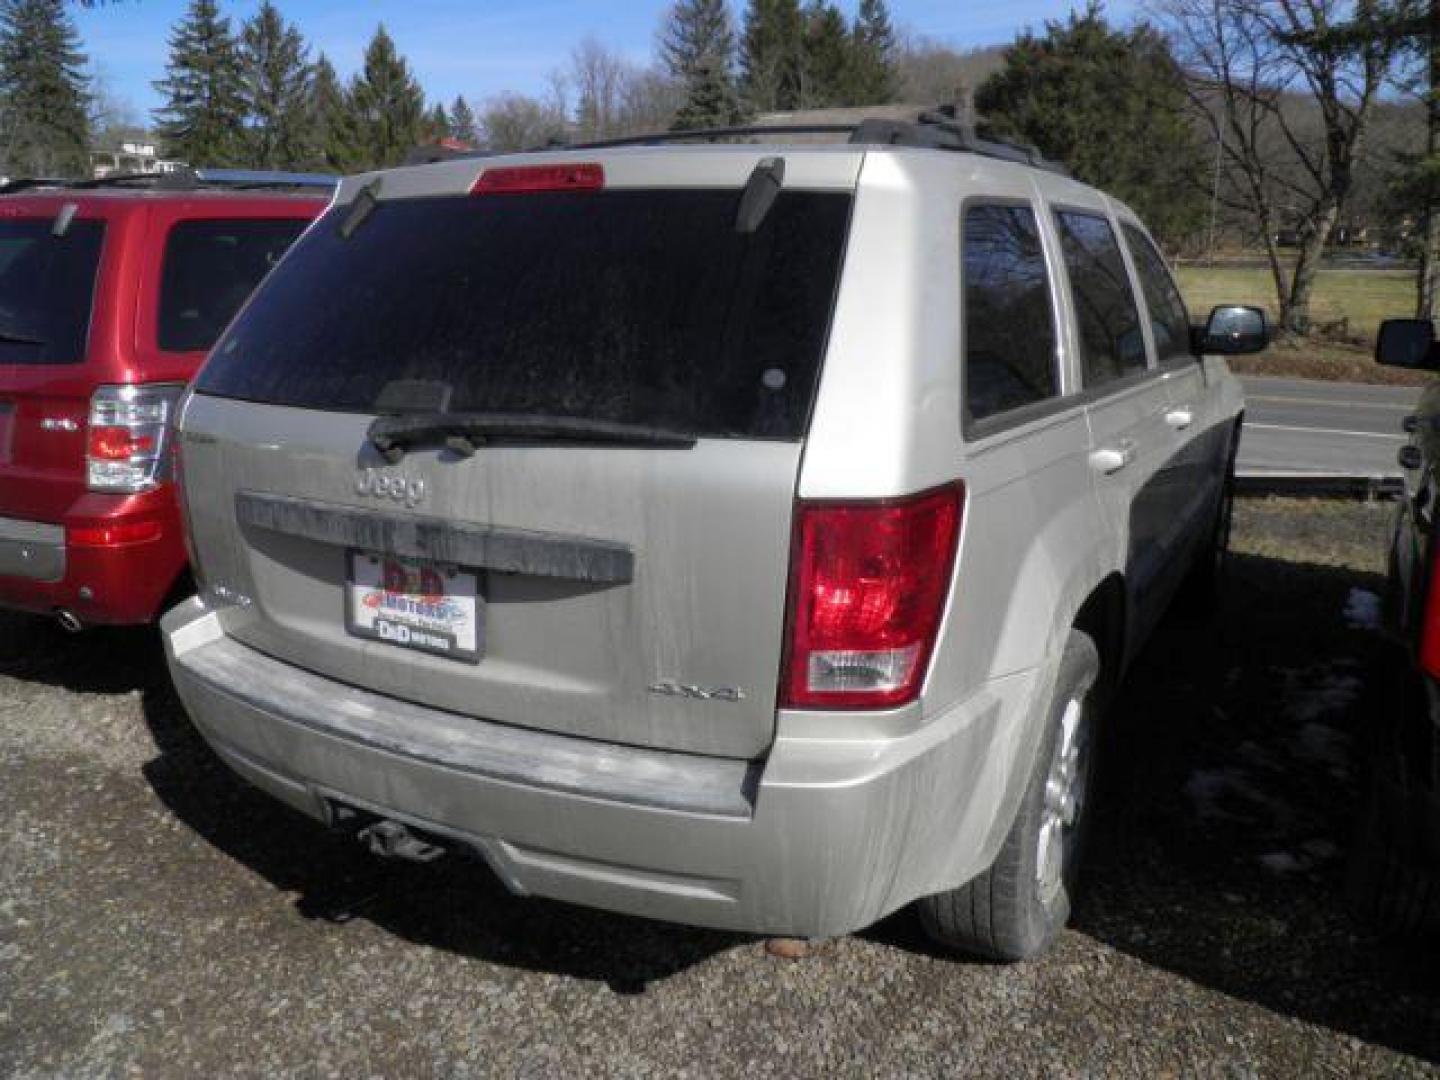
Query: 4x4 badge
(701, 693)
(377, 485)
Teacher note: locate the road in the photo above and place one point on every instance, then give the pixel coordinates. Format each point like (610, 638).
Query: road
(1296, 427)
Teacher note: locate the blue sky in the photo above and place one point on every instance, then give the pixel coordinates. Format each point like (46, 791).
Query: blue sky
(486, 48)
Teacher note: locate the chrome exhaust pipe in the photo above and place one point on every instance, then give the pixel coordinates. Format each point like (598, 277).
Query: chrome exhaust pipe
(69, 621)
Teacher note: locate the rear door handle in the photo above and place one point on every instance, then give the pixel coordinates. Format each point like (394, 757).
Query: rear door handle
(1111, 459)
(1180, 418)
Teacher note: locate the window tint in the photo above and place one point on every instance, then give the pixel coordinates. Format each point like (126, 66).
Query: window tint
(644, 307)
(47, 284)
(1169, 322)
(1111, 342)
(211, 267)
(1009, 322)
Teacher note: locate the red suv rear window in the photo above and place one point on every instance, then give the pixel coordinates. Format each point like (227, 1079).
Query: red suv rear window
(211, 268)
(47, 285)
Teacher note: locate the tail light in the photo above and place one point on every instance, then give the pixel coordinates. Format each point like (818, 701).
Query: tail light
(1430, 621)
(868, 583)
(126, 445)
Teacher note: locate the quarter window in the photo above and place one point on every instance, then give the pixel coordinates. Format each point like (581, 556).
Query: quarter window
(211, 267)
(1111, 342)
(1009, 322)
(1169, 321)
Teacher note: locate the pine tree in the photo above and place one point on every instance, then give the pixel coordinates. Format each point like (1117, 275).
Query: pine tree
(1110, 105)
(277, 86)
(771, 51)
(875, 80)
(462, 122)
(203, 119)
(42, 90)
(697, 47)
(387, 105)
(828, 74)
(436, 125)
(332, 140)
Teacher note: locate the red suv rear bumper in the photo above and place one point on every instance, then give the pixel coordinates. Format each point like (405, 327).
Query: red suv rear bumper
(118, 561)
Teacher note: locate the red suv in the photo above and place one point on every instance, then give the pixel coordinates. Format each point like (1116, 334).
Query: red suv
(111, 292)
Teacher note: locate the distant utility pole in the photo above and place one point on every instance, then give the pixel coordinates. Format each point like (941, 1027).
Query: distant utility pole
(1215, 193)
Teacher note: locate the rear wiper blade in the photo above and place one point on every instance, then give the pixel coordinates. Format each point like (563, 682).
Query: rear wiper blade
(463, 432)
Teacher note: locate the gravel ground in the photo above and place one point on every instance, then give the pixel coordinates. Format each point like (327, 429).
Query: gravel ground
(159, 918)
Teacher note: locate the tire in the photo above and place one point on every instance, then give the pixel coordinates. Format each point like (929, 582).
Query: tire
(1393, 878)
(1389, 890)
(1013, 911)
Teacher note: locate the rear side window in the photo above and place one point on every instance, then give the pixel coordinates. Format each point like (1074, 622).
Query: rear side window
(210, 268)
(1169, 321)
(47, 286)
(638, 306)
(1111, 342)
(1009, 321)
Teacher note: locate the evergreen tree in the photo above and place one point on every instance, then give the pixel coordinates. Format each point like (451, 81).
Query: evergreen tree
(42, 91)
(203, 119)
(387, 105)
(829, 71)
(462, 122)
(436, 125)
(333, 143)
(875, 79)
(771, 55)
(1109, 105)
(277, 88)
(697, 47)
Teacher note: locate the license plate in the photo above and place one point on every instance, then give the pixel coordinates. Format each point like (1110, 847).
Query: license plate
(415, 605)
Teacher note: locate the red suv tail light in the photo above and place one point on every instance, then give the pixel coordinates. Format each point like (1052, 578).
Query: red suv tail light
(127, 440)
(868, 583)
(1430, 620)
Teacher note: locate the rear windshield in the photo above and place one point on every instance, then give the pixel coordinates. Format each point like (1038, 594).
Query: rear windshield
(47, 283)
(642, 307)
(211, 267)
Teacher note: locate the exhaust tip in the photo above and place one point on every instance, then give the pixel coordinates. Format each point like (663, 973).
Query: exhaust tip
(69, 621)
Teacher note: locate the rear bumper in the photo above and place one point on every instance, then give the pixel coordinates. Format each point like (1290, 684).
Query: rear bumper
(823, 837)
(120, 584)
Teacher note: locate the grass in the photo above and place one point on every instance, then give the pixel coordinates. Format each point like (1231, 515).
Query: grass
(1362, 298)
(1350, 304)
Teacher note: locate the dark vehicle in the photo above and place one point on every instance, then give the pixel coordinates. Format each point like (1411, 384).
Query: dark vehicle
(111, 293)
(1395, 867)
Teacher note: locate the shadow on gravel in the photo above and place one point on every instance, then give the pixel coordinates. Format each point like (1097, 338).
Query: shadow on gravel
(104, 660)
(1229, 803)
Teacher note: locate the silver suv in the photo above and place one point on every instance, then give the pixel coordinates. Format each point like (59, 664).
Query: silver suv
(739, 535)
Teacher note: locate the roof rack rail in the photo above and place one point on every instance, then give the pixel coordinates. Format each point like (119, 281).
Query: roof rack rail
(934, 129)
(187, 179)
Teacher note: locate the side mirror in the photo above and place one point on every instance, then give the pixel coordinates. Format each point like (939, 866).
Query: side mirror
(1234, 330)
(1407, 343)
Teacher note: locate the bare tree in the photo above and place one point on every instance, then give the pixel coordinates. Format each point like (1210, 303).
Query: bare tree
(517, 122)
(613, 97)
(598, 77)
(1261, 71)
(931, 73)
